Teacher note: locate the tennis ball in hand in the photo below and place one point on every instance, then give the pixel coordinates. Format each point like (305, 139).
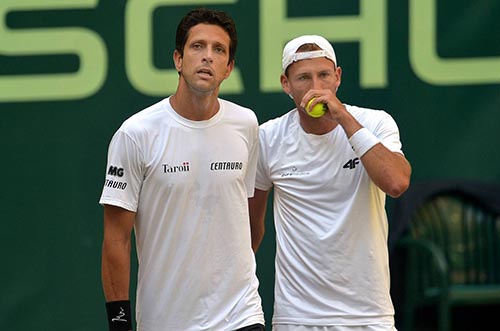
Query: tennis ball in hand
(317, 111)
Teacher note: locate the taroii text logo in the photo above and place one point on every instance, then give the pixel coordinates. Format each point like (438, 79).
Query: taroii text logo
(168, 169)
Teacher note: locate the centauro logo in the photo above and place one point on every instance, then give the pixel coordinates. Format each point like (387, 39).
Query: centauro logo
(115, 184)
(167, 168)
(226, 165)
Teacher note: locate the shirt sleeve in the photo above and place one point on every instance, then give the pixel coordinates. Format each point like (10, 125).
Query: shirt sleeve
(262, 181)
(388, 132)
(124, 171)
(253, 157)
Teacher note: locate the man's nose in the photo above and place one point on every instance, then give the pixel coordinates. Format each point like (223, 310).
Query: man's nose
(316, 83)
(208, 56)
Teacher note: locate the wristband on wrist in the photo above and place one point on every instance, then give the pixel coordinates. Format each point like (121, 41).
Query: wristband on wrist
(119, 315)
(362, 141)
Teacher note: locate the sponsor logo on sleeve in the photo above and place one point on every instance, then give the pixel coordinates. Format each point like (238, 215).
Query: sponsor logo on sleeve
(115, 172)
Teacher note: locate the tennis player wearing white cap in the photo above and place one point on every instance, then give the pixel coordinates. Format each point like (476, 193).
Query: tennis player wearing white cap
(330, 176)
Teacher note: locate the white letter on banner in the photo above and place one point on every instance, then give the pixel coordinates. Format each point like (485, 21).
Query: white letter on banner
(369, 28)
(141, 71)
(426, 62)
(84, 43)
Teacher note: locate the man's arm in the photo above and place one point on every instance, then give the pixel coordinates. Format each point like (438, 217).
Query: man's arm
(115, 273)
(257, 207)
(390, 171)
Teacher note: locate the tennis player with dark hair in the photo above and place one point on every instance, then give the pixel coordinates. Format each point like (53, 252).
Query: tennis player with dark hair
(179, 174)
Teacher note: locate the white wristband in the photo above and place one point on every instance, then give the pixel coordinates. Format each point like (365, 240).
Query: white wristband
(362, 141)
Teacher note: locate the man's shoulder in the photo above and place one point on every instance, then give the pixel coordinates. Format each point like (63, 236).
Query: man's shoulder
(148, 115)
(353, 109)
(276, 131)
(236, 110)
(281, 122)
(143, 123)
(233, 106)
(363, 114)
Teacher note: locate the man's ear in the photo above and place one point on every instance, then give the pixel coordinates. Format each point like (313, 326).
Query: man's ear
(338, 72)
(229, 69)
(285, 84)
(177, 60)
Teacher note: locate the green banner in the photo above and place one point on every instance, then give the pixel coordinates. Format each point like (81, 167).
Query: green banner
(72, 70)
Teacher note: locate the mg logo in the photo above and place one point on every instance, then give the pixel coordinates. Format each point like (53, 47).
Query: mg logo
(115, 171)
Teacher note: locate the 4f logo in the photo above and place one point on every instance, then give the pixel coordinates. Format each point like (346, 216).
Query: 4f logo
(115, 171)
(351, 164)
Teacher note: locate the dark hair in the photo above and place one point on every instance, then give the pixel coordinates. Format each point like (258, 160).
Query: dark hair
(206, 16)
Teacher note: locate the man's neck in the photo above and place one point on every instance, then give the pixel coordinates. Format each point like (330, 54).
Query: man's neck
(193, 106)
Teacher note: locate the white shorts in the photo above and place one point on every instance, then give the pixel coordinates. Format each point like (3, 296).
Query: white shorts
(375, 327)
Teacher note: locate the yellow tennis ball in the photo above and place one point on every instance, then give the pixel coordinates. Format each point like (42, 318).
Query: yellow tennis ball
(318, 110)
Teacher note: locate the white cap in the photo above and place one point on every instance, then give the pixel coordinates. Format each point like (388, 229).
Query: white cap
(290, 55)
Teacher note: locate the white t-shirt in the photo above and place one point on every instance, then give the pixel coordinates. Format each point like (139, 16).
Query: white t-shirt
(189, 183)
(331, 226)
